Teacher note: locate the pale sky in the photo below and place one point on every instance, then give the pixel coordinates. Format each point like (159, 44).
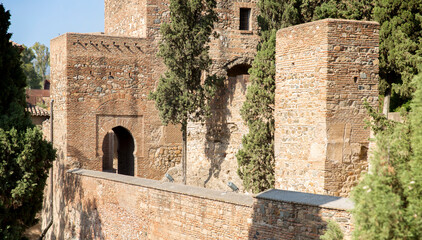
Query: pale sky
(42, 20)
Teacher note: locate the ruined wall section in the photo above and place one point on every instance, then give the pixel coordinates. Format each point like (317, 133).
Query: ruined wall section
(214, 143)
(325, 70)
(232, 45)
(110, 79)
(125, 18)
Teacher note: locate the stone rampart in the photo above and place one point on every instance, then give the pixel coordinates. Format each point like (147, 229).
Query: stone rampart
(110, 206)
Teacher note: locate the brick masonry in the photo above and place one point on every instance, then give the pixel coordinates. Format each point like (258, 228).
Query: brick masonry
(101, 81)
(325, 71)
(106, 79)
(109, 206)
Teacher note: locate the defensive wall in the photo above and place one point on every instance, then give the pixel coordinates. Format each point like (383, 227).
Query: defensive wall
(105, 124)
(113, 206)
(325, 71)
(102, 82)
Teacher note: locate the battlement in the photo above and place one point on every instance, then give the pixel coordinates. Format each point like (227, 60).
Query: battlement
(93, 44)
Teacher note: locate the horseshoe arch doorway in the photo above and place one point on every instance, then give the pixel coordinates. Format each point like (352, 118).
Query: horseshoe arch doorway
(118, 147)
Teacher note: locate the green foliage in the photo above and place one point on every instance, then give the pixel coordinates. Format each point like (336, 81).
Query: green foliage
(256, 158)
(180, 96)
(346, 9)
(400, 46)
(400, 43)
(388, 200)
(32, 77)
(24, 156)
(333, 232)
(42, 59)
(24, 162)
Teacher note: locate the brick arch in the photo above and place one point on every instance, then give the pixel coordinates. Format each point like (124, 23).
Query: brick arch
(133, 123)
(226, 66)
(115, 121)
(118, 144)
(109, 101)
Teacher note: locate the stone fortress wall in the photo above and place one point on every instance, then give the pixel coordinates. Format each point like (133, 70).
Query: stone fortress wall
(325, 71)
(113, 206)
(103, 121)
(108, 79)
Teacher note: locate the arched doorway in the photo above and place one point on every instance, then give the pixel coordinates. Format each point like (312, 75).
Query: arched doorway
(118, 146)
(240, 69)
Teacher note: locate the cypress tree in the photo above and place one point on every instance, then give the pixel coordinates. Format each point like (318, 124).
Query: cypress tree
(180, 96)
(25, 156)
(388, 201)
(256, 158)
(400, 40)
(400, 47)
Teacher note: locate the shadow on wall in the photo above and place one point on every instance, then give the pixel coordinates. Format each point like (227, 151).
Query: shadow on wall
(218, 128)
(279, 214)
(69, 190)
(88, 225)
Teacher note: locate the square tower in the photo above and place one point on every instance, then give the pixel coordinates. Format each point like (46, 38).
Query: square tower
(325, 71)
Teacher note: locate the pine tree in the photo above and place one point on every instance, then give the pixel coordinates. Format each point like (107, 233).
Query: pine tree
(24, 156)
(388, 201)
(180, 96)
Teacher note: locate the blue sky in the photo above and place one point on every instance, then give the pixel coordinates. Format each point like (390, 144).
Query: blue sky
(42, 20)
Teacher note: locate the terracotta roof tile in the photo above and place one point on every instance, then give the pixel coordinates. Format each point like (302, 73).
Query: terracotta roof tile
(36, 111)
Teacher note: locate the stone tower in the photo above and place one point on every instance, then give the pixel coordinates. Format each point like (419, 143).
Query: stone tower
(325, 71)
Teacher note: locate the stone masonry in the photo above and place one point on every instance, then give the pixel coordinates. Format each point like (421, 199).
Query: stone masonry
(325, 71)
(104, 124)
(113, 206)
(102, 81)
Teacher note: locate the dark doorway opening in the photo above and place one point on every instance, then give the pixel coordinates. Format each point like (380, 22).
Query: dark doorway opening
(241, 69)
(118, 147)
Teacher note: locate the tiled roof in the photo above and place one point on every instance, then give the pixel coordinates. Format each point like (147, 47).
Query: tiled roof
(36, 111)
(38, 92)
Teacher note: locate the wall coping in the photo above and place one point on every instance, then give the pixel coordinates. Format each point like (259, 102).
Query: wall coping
(327, 21)
(205, 193)
(318, 200)
(102, 35)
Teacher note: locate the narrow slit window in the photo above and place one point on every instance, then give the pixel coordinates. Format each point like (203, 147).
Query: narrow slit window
(245, 16)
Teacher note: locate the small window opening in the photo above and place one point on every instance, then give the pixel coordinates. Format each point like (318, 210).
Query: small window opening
(245, 16)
